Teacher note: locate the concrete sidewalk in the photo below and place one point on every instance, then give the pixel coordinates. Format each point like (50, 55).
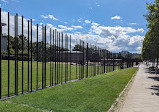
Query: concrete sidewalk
(143, 95)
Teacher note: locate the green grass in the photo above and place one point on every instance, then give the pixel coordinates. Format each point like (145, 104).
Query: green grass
(11, 107)
(94, 94)
(12, 75)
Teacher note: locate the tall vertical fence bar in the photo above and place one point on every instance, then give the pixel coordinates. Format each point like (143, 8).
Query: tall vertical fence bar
(43, 57)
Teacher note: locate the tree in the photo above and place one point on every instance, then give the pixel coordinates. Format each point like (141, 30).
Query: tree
(151, 41)
(78, 48)
(128, 56)
(119, 56)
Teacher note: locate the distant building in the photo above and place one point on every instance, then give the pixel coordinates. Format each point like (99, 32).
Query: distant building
(76, 56)
(111, 61)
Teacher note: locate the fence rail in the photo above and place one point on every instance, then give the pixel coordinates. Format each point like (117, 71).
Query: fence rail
(30, 64)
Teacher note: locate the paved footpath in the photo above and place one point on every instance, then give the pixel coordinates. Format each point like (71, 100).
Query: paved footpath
(143, 95)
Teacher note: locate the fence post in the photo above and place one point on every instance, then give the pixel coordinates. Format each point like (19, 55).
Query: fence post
(55, 55)
(83, 62)
(80, 62)
(113, 62)
(16, 54)
(22, 53)
(28, 55)
(8, 52)
(76, 60)
(50, 56)
(62, 61)
(66, 58)
(37, 53)
(59, 57)
(104, 60)
(70, 57)
(53, 67)
(42, 56)
(87, 60)
(31, 57)
(45, 58)
(0, 56)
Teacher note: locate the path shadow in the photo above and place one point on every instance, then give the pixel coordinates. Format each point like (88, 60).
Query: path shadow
(154, 78)
(147, 70)
(156, 89)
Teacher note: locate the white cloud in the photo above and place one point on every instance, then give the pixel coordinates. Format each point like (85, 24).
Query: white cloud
(5, 1)
(117, 38)
(0, 5)
(132, 23)
(97, 4)
(77, 27)
(64, 28)
(115, 17)
(49, 17)
(114, 30)
(95, 24)
(136, 39)
(87, 21)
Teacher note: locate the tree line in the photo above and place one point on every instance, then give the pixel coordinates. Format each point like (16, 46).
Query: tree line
(151, 41)
(25, 49)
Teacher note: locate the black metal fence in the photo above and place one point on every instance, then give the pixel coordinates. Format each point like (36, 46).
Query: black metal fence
(28, 65)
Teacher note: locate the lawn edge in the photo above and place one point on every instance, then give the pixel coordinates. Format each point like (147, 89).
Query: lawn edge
(115, 107)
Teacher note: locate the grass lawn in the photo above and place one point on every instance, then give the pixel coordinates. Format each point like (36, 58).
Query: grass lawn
(12, 75)
(11, 107)
(94, 94)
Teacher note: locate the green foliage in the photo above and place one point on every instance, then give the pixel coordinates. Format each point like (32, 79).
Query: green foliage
(151, 40)
(119, 56)
(78, 48)
(128, 56)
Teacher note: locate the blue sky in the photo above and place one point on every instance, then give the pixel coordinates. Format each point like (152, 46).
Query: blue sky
(114, 24)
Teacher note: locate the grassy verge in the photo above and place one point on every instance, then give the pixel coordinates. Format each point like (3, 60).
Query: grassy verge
(95, 94)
